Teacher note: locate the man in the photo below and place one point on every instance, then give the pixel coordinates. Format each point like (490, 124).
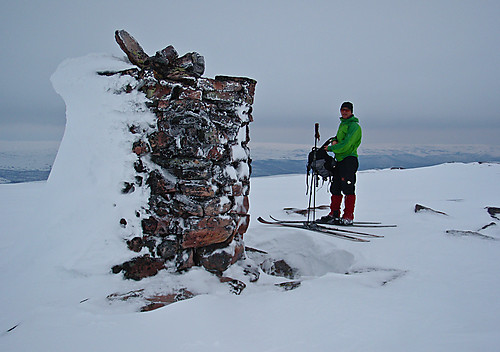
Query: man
(345, 146)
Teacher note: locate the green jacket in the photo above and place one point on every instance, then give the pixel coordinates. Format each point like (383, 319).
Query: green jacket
(348, 138)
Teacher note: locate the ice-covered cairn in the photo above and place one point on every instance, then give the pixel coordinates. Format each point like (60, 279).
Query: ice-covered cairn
(195, 161)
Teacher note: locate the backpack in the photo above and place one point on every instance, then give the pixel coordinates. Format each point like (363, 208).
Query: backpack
(320, 163)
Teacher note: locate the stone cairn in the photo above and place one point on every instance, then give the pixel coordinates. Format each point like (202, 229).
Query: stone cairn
(195, 161)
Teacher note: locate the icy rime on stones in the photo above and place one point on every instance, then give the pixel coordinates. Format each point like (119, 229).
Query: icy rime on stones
(195, 162)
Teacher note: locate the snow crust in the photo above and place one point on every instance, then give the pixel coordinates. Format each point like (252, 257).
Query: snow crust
(417, 289)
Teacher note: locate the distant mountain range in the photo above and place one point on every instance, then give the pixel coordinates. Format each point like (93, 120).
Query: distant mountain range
(18, 176)
(32, 161)
(292, 159)
(26, 161)
(366, 162)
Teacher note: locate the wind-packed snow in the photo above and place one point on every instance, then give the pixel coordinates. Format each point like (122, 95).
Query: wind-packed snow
(417, 289)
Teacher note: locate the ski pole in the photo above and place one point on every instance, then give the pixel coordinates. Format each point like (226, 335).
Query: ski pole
(316, 180)
(314, 183)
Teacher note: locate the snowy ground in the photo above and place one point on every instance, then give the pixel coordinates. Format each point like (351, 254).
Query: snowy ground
(416, 289)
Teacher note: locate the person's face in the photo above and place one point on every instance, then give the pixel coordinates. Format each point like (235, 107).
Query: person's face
(346, 113)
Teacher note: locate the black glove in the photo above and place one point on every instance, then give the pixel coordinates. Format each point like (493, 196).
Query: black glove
(329, 141)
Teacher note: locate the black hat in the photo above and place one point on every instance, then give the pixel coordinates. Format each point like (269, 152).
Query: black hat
(348, 105)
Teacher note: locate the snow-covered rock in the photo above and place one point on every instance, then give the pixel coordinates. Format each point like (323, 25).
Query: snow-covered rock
(158, 146)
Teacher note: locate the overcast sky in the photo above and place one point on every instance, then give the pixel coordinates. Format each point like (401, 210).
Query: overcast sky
(416, 71)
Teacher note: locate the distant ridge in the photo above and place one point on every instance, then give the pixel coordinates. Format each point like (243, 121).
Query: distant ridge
(19, 176)
(278, 159)
(271, 167)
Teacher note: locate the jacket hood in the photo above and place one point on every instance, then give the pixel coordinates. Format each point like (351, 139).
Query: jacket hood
(350, 119)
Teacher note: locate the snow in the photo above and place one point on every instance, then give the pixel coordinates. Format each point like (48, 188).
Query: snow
(416, 289)
(238, 153)
(230, 172)
(243, 112)
(440, 292)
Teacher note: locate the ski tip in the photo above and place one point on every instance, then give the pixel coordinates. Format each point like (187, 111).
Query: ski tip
(261, 220)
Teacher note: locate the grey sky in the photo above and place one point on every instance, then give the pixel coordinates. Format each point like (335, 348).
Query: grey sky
(416, 71)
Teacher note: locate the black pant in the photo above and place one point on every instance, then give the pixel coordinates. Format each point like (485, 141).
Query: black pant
(344, 176)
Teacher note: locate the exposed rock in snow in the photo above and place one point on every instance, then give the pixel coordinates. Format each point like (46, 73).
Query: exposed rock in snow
(131, 47)
(493, 211)
(419, 208)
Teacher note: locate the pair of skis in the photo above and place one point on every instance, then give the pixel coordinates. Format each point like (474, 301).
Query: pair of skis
(351, 235)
